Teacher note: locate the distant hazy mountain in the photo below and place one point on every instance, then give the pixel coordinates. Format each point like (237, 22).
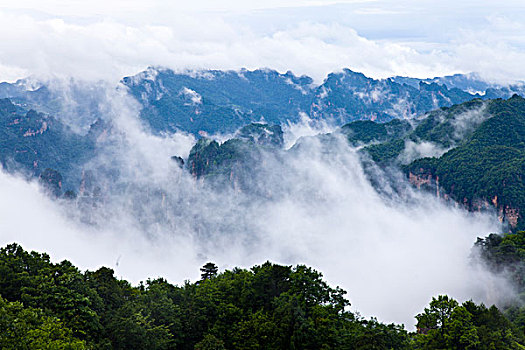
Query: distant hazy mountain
(77, 104)
(209, 102)
(254, 104)
(218, 101)
(471, 83)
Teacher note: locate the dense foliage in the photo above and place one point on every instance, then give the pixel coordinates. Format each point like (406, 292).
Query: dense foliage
(46, 305)
(489, 164)
(505, 255)
(28, 328)
(366, 131)
(480, 148)
(446, 324)
(445, 128)
(268, 307)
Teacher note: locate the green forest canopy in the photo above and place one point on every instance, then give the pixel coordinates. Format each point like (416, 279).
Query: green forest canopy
(46, 305)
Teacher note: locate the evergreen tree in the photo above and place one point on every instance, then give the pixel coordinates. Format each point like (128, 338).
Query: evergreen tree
(209, 270)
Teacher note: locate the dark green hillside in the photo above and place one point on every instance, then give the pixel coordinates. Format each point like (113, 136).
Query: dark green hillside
(506, 255)
(366, 131)
(489, 165)
(485, 162)
(236, 157)
(445, 127)
(208, 158)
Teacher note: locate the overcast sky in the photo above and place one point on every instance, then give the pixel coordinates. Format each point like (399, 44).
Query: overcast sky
(110, 39)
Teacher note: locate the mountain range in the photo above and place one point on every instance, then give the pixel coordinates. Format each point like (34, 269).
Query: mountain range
(464, 146)
(219, 102)
(210, 102)
(472, 154)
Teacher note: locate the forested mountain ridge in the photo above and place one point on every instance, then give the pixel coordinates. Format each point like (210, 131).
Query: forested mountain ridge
(214, 101)
(222, 101)
(476, 148)
(476, 153)
(486, 169)
(45, 304)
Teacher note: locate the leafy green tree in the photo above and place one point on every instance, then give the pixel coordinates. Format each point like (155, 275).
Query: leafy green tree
(210, 342)
(131, 327)
(28, 328)
(60, 288)
(437, 316)
(448, 325)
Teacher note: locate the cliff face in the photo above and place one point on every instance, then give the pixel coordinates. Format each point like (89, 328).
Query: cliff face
(427, 181)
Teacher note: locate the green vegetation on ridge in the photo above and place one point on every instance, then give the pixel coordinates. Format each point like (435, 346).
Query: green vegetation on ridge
(485, 162)
(489, 164)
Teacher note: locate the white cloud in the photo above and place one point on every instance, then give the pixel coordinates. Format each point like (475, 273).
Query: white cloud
(30, 218)
(415, 150)
(466, 122)
(305, 127)
(100, 42)
(116, 7)
(195, 97)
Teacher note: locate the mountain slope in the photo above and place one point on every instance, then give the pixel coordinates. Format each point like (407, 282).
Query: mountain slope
(351, 96)
(472, 153)
(217, 101)
(214, 101)
(31, 142)
(488, 167)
